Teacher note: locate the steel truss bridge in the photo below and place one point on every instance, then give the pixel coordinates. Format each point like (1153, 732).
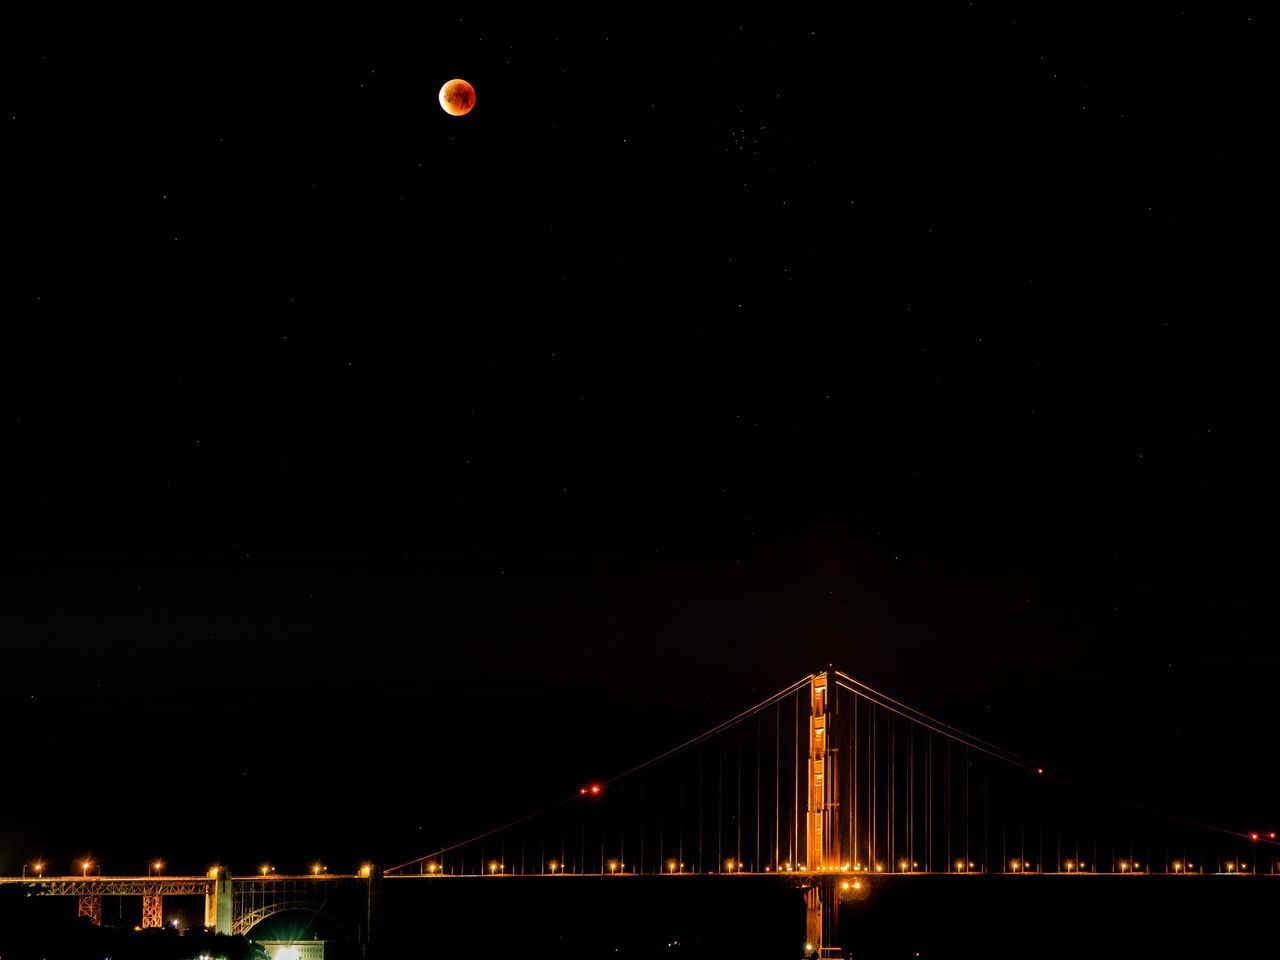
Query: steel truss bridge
(828, 786)
(231, 904)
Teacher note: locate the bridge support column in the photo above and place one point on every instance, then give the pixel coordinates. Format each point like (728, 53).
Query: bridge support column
(152, 911)
(373, 914)
(217, 902)
(90, 906)
(821, 911)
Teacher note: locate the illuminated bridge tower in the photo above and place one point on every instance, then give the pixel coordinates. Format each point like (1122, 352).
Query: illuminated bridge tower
(822, 835)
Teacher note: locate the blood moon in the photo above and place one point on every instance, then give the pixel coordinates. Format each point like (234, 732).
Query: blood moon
(457, 98)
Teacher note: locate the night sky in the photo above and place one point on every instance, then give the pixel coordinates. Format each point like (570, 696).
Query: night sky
(370, 475)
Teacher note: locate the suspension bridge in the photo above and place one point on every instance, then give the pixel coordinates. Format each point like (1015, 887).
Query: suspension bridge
(828, 786)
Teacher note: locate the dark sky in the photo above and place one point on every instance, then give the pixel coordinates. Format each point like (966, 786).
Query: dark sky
(371, 474)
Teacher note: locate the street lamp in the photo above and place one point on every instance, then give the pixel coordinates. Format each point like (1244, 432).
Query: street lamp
(156, 865)
(38, 867)
(84, 867)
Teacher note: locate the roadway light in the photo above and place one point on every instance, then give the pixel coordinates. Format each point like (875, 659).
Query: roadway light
(156, 865)
(728, 864)
(613, 866)
(671, 866)
(1013, 865)
(493, 866)
(266, 868)
(366, 870)
(84, 867)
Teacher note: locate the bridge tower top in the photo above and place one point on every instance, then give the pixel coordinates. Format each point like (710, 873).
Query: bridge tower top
(822, 839)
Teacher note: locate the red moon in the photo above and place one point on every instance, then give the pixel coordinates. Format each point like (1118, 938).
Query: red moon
(457, 98)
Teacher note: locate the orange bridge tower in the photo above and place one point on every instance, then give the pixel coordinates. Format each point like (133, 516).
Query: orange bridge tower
(822, 835)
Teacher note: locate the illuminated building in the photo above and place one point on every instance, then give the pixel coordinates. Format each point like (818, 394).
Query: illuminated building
(293, 949)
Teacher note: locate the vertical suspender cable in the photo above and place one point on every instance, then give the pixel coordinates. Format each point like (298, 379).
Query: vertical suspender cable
(719, 806)
(759, 860)
(795, 809)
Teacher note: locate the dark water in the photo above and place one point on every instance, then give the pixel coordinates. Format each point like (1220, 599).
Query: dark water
(902, 917)
(689, 916)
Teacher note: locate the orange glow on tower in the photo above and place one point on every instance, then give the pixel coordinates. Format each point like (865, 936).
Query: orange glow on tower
(823, 845)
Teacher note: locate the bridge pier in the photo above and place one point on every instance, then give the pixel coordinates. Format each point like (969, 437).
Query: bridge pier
(217, 902)
(821, 912)
(90, 906)
(152, 911)
(373, 914)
